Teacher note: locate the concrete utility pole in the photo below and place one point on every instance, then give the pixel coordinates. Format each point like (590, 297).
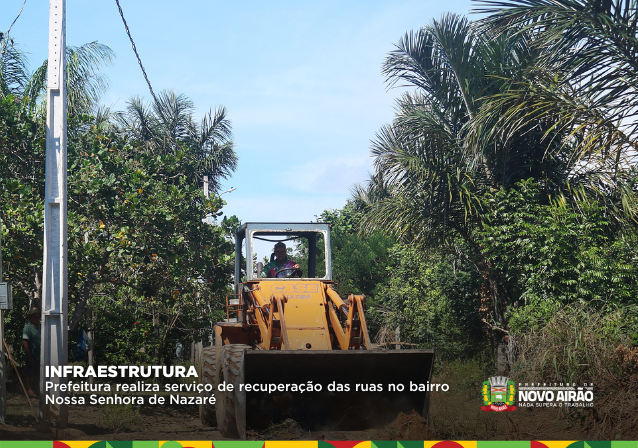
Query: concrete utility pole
(54, 278)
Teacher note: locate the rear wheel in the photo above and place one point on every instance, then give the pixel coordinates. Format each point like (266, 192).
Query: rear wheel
(230, 406)
(207, 411)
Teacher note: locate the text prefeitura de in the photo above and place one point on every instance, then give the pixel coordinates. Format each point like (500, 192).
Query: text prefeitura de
(120, 371)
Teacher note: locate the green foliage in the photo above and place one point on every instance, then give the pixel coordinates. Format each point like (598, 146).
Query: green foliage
(496, 103)
(551, 254)
(13, 68)
(141, 255)
(22, 214)
(300, 254)
(591, 92)
(85, 84)
(168, 127)
(140, 236)
(431, 297)
(358, 261)
(464, 376)
(436, 160)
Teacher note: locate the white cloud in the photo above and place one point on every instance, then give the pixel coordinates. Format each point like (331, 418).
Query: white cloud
(327, 175)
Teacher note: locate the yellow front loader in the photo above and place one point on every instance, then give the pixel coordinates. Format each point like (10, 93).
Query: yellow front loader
(291, 347)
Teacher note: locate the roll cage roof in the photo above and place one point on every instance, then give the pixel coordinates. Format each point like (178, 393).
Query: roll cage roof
(280, 231)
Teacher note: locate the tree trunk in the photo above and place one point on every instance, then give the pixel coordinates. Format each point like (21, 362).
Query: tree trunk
(156, 331)
(81, 305)
(502, 363)
(500, 299)
(37, 294)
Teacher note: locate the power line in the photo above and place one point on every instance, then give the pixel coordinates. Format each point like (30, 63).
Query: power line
(128, 32)
(16, 19)
(9, 40)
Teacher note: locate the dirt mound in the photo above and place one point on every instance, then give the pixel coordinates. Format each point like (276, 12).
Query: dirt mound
(406, 427)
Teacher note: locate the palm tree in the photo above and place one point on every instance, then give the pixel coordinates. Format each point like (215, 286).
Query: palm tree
(585, 81)
(519, 95)
(168, 125)
(85, 84)
(13, 68)
(439, 157)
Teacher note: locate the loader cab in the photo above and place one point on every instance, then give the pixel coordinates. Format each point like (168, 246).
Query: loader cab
(258, 238)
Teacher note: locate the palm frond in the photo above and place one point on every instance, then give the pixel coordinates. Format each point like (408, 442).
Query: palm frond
(85, 84)
(13, 68)
(215, 150)
(593, 43)
(175, 113)
(168, 126)
(139, 122)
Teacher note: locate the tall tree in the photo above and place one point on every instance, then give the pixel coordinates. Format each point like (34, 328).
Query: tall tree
(139, 245)
(169, 124)
(435, 162)
(584, 81)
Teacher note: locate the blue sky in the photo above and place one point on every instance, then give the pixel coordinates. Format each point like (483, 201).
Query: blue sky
(301, 81)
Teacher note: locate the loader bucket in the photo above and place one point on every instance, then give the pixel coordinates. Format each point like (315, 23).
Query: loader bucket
(370, 402)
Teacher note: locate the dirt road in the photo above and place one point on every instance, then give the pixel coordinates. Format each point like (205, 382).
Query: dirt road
(454, 417)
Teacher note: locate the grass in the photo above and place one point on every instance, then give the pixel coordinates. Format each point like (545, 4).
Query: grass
(580, 345)
(456, 415)
(119, 418)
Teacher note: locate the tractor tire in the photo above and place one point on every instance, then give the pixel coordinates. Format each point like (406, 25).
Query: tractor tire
(230, 406)
(207, 413)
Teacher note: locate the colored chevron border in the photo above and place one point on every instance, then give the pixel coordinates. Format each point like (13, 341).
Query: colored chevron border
(318, 444)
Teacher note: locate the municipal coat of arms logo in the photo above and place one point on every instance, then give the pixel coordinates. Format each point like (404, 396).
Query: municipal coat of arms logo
(498, 394)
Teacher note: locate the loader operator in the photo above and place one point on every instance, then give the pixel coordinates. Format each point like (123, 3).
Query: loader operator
(280, 265)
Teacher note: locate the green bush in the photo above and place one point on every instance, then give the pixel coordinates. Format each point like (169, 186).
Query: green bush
(432, 299)
(552, 255)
